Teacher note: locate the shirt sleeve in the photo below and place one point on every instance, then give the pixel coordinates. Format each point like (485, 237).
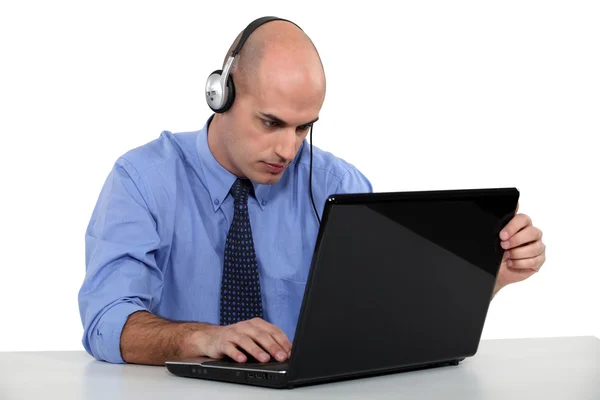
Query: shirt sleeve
(122, 276)
(353, 182)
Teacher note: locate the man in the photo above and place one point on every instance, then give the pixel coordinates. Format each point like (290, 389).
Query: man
(217, 226)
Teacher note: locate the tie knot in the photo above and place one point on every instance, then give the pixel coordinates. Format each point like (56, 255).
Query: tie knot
(240, 190)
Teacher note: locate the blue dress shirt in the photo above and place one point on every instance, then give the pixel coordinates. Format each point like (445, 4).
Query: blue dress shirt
(156, 237)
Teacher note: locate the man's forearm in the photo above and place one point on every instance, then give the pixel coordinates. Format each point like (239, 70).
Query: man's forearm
(148, 339)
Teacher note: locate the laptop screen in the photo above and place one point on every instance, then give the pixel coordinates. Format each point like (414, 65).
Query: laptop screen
(400, 279)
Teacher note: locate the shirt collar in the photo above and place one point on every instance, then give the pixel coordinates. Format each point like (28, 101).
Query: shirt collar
(218, 179)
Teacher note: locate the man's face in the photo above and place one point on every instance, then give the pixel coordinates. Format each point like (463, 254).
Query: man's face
(267, 124)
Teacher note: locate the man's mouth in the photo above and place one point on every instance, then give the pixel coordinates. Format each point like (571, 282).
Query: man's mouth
(274, 167)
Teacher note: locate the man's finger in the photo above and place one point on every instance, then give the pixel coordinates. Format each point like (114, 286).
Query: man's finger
(532, 264)
(527, 251)
(519, 222)
(257, 330)
(282, 340)
(527, 235)
(275, 332)
(230, 350)
(248, 344)
(267, 342)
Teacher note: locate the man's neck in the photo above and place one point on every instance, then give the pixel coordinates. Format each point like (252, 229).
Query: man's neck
(215, 132)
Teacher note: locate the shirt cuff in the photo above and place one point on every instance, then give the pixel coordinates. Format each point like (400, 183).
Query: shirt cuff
(108, 332)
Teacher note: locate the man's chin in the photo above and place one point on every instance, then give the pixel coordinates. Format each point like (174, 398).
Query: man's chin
(267, 179)
(265, 176)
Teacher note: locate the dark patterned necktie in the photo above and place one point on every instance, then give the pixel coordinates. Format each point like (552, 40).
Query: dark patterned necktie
(240, 286)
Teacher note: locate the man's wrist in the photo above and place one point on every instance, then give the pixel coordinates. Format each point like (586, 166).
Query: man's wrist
(497, 288)
(196, 339)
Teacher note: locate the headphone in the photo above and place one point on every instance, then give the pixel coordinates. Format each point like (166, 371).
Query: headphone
(220, 90)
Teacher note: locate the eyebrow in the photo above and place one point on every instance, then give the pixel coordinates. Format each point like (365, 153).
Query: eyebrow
(282, 122)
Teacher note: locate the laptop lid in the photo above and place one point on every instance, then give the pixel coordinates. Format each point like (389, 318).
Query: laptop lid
(399, 280)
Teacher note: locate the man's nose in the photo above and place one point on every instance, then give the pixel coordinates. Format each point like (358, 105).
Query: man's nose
(286, 145)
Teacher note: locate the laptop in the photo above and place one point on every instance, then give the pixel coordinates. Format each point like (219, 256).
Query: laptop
(398, 282)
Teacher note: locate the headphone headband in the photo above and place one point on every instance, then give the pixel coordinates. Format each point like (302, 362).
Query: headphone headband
(220, 90)
(252, 26)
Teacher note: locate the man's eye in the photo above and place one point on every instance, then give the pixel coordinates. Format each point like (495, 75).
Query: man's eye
(270, 124)
(305, 127)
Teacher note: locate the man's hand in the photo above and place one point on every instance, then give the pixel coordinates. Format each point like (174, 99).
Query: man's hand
(148, 339)
(256, 337)
(525, 253)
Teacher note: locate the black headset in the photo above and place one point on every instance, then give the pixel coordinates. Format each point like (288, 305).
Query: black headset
(220, 89)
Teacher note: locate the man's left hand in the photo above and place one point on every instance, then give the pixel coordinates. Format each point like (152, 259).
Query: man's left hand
(524, 254)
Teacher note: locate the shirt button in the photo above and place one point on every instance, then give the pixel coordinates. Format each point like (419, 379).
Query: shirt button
(264, 203)
(216, 202)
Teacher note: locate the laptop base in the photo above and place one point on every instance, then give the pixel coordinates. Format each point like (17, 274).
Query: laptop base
(272, 379)
(278, 379)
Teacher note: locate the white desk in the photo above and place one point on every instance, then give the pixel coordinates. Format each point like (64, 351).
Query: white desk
(549, 368)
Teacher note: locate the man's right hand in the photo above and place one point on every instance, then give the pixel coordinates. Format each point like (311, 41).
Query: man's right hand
(148, 339)
(256, 337)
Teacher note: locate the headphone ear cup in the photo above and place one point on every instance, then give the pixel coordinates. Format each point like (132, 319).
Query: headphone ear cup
(213, 90)
(230, 94)
(219, 98)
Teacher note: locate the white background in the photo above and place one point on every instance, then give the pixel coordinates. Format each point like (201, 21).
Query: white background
(421, 95)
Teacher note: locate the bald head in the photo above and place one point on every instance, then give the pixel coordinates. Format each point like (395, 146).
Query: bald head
(275, 48)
